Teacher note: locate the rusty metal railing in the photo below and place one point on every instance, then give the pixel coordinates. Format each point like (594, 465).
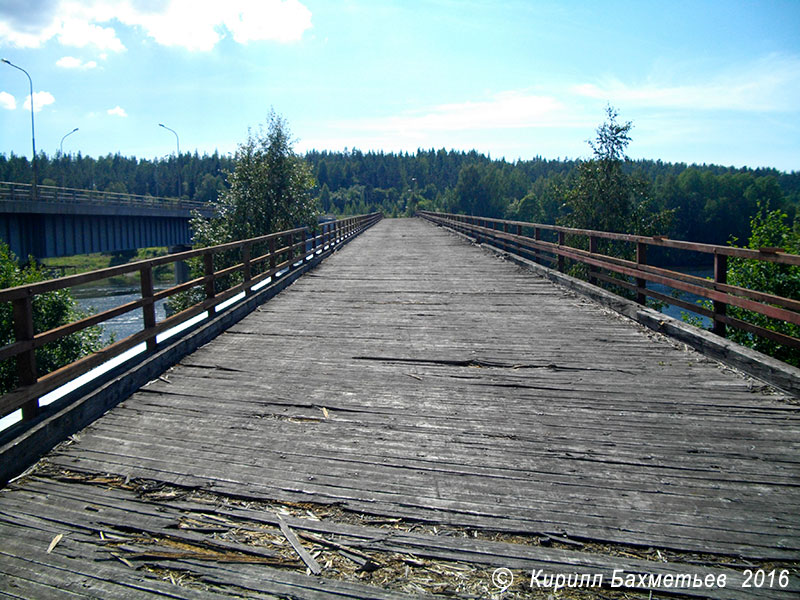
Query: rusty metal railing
(261, 258)
(526, 239)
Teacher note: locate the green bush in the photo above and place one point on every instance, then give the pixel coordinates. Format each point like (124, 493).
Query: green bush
(270, 191)
(769, 229)
(50, 310)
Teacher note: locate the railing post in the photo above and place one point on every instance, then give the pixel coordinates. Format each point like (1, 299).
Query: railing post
(272, 262)
(641, 259)
(537, 236)
(506, 245)
(246, 268)
(22, 309)
(720, 276)
(208, 269)
(519, 235)
(290, 256)
(561, 242)
(149, 307)
(592, 250)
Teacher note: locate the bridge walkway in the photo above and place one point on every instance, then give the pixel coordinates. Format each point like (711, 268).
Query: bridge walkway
(419, 412)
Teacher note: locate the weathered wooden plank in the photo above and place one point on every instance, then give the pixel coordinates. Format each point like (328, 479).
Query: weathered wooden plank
(414, 377)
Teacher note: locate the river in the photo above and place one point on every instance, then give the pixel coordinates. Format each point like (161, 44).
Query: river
(676, 311)
(110, 294)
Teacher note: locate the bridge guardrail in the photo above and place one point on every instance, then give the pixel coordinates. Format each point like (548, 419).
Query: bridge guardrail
(261, 258)
(23, 192)
(525, 239)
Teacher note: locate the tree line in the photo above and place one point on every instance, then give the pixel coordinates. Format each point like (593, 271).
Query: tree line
(708, 203)
(188, 175)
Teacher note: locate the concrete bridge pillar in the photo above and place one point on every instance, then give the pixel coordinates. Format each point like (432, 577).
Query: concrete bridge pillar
(181, 268)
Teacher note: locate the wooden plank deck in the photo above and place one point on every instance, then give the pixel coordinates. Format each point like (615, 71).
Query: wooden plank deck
(436, 412)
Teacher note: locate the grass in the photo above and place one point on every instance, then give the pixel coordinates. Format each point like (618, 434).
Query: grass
(82, 263)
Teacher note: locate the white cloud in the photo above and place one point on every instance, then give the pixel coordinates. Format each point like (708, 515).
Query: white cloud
(771, 83)
(117, 111)
(192, 24)
(276, 20)
(503, 110)
(79, 33)
(25, 23)
(40, 100)
(70, 62)
(72, 22)
(492, 124)
(7, 101)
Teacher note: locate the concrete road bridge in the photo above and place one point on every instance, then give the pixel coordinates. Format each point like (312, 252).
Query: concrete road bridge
(64, 221)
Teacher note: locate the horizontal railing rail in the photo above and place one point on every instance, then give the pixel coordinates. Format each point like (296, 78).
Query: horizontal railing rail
(23, 192)
(259, 259)
(525, 238)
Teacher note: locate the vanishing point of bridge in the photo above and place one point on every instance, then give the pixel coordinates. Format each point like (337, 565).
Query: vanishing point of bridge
(401, 421)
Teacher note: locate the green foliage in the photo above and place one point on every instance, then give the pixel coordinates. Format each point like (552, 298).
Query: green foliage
(210, 188)
(114, 172)
(161, 273)
(269, 190)
(769, 228)
(50, 310)
(606, 197)
(709, 203)
(544, 202)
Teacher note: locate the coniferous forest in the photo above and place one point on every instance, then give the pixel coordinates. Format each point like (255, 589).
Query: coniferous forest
(708, 203)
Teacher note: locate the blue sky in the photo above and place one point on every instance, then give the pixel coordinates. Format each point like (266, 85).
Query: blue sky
(705, 82)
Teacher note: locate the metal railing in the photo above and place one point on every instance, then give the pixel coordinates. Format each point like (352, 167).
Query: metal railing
(526, 240)
(23, 192)
(258, 259)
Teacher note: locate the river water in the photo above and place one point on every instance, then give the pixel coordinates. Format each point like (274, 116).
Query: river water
(676, 311)
(110, 294)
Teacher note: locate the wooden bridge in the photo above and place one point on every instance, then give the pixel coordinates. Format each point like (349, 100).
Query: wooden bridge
(411, 415)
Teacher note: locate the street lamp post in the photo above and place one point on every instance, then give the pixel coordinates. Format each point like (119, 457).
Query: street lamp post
(61, 152)
(178, 143)
(34, 191)
(61, 146)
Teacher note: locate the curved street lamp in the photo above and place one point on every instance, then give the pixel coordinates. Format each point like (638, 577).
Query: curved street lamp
(61, 152)
(178, 142)
(34, 192)
(61, 146)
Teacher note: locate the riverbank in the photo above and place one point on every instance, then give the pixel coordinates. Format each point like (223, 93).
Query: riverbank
(82, 263)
